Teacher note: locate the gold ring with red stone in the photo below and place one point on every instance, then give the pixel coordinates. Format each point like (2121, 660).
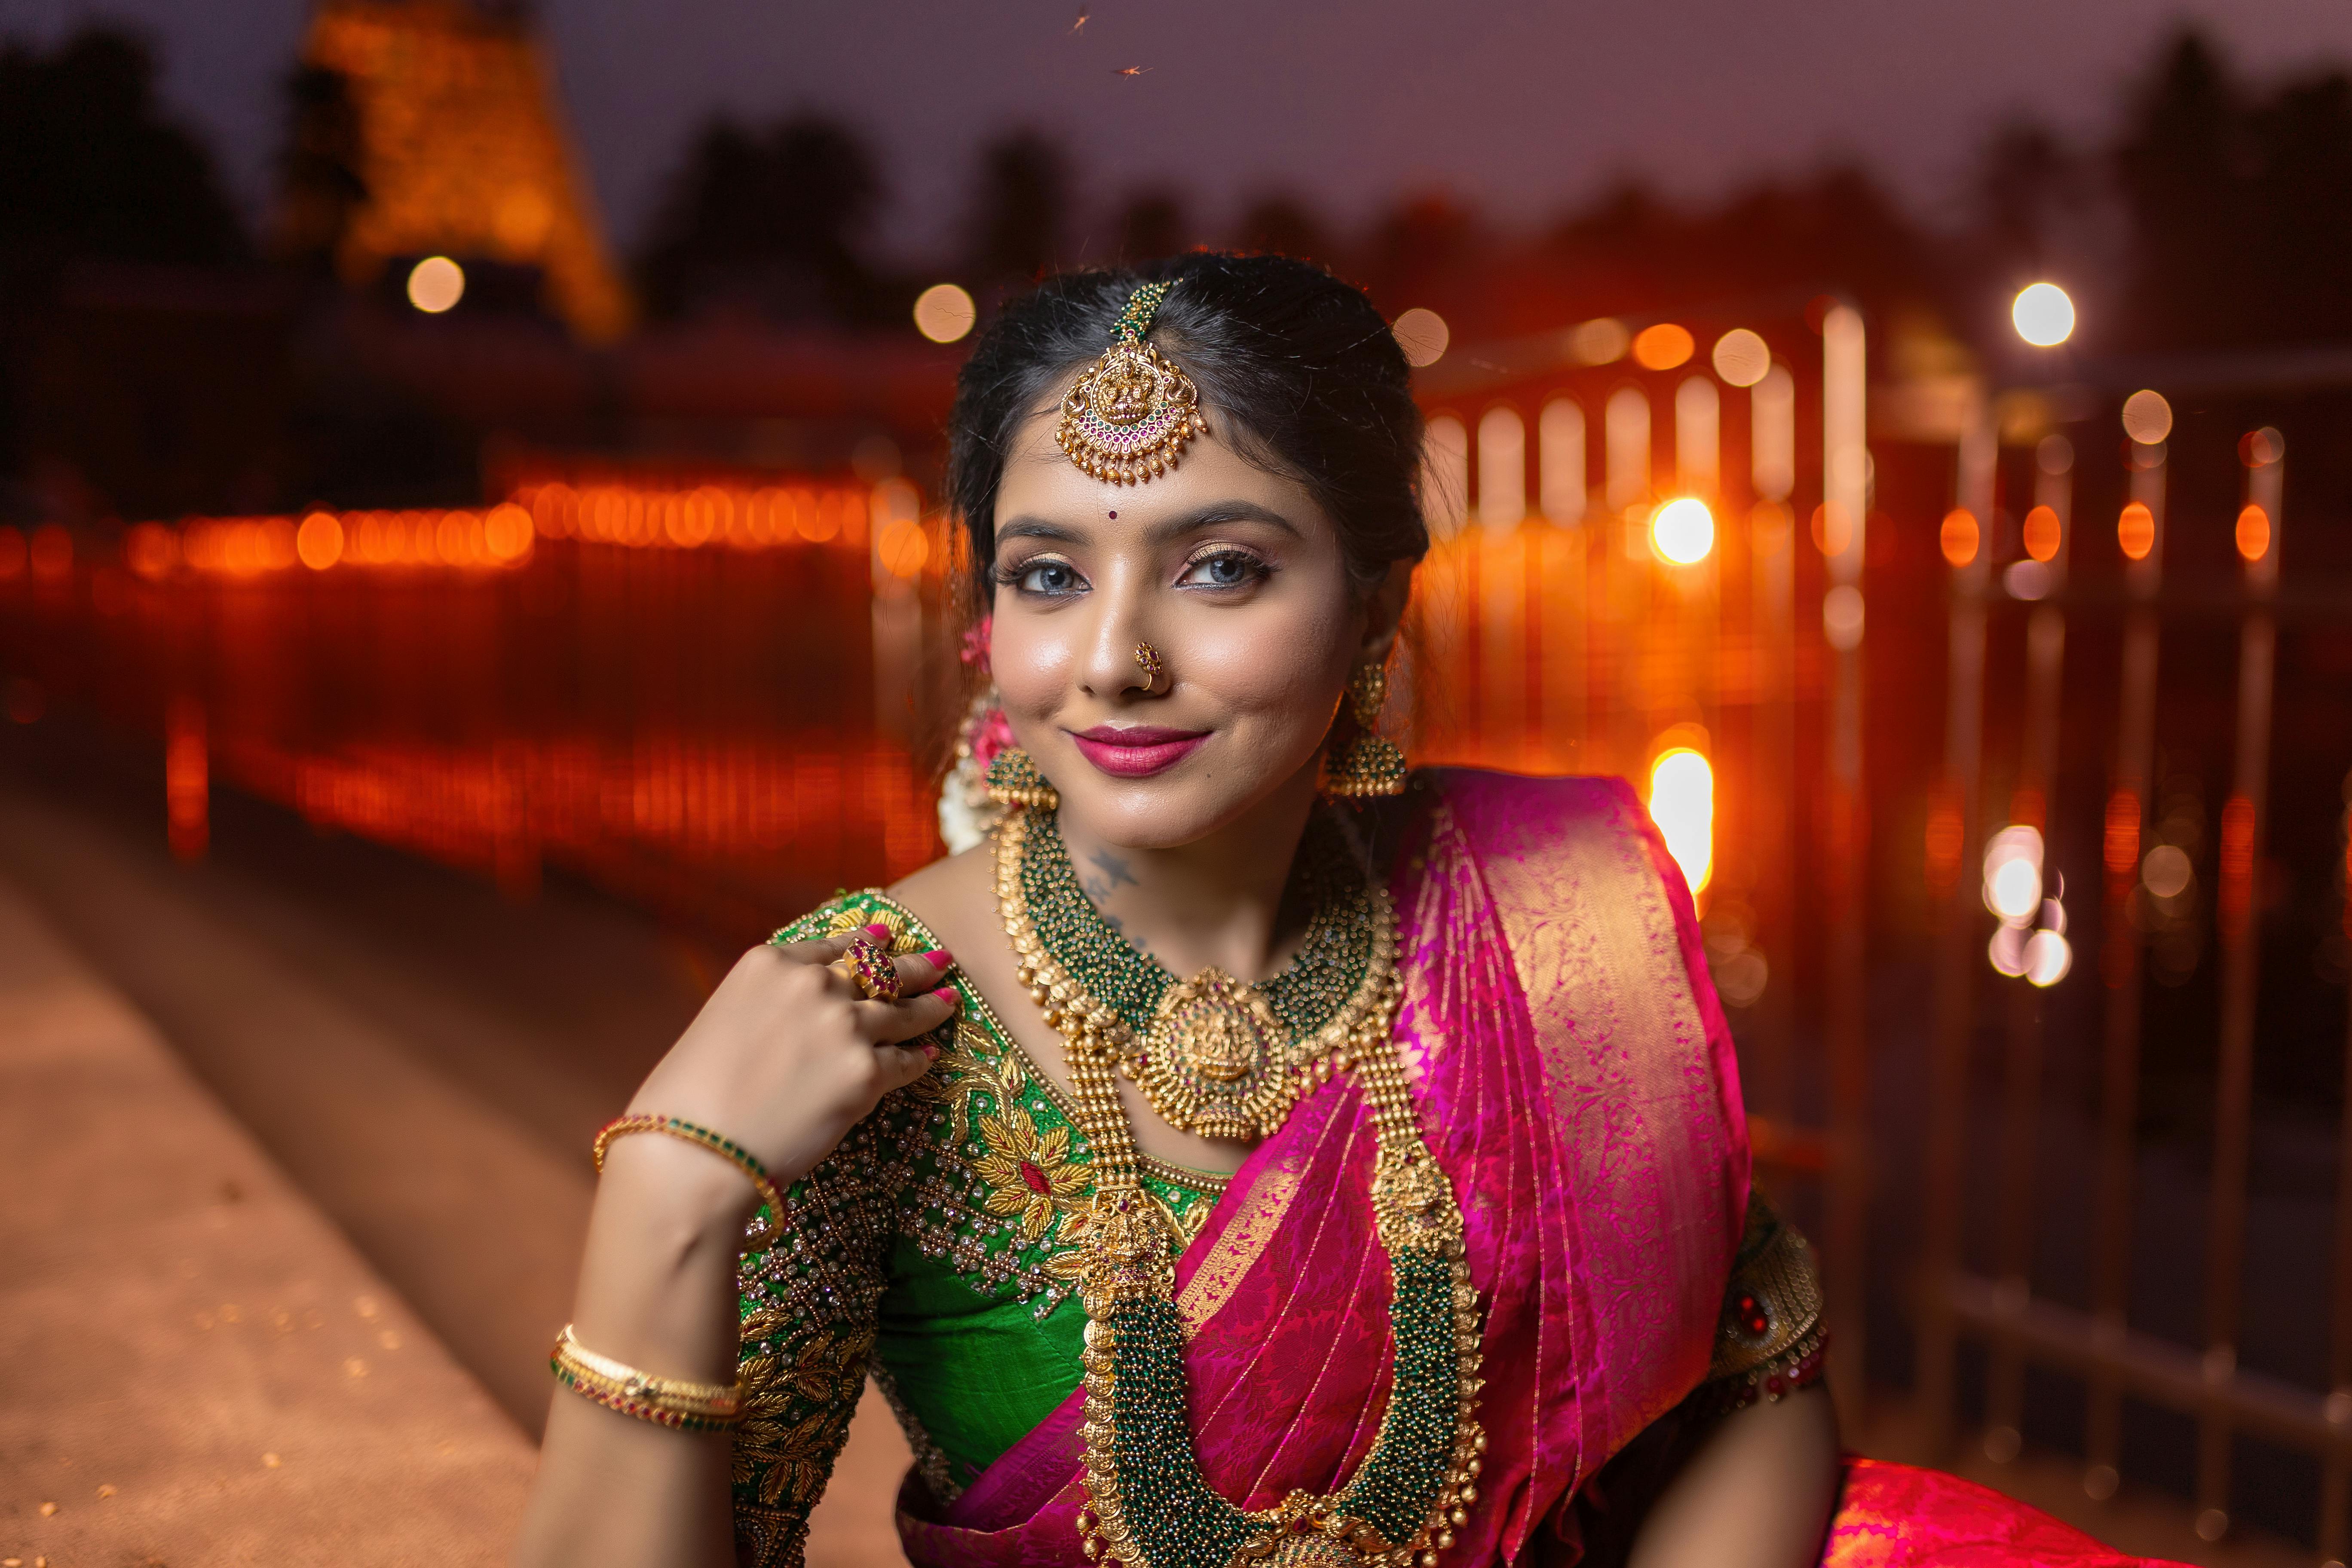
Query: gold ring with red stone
(869, 965)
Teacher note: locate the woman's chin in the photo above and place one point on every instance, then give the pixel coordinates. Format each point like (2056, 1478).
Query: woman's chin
(1166, 811)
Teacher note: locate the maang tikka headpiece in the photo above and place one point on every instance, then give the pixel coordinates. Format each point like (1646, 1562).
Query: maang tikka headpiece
(1127, 419)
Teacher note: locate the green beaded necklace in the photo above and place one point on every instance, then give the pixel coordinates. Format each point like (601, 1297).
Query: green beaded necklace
(1149, 1504)
(1130, 982)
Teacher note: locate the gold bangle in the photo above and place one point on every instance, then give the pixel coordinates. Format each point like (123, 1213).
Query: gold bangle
(665, 1401)
(702, 1137)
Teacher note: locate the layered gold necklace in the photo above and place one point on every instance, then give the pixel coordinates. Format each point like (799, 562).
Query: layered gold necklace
(1215, 1055)
(1149, 1504)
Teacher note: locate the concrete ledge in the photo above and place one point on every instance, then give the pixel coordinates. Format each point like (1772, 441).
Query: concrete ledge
(194, 1367)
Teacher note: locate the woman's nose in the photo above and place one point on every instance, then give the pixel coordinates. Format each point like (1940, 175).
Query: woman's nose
(1116, 663)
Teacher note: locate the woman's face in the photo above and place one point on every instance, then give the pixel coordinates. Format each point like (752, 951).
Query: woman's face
(1233, 574)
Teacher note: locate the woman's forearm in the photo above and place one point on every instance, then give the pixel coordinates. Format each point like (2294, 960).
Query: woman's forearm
(657, 1291)
(1758, 1494)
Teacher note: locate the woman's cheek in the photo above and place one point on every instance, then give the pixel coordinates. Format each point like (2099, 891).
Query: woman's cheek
(1031, 673)
(1277, 666)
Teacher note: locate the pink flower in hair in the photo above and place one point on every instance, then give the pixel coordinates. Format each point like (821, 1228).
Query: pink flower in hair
(991, 732)
(975, 642)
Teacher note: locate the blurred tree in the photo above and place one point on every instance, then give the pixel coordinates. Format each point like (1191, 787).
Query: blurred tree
(322, 185)
(2026, 179)
(91, 168)
(2302, 141)
(1425, 253)
(1152, 225)
(779, 220)
(1281, 225)
(2185, 170)
(1020, 220)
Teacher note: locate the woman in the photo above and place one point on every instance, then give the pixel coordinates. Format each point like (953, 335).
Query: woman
(1250, 1151)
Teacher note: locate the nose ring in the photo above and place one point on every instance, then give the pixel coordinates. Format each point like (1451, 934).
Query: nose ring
(1147, 659)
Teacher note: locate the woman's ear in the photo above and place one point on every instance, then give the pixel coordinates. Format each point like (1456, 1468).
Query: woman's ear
(1384, 610)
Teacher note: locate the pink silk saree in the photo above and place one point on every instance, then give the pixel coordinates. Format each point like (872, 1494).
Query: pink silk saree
(1576, 1076)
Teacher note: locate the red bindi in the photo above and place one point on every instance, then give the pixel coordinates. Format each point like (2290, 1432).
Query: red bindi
(1114, 517)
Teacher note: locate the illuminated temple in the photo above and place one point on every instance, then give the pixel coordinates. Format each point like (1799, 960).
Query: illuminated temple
(459, 148)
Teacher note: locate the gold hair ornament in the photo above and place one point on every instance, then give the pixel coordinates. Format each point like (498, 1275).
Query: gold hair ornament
(1128, 417)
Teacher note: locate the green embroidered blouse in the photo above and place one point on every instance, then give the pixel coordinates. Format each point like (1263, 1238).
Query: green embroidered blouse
(933, 1248)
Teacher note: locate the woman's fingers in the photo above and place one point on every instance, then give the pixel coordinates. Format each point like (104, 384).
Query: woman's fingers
(920, 972)
(888, 1023)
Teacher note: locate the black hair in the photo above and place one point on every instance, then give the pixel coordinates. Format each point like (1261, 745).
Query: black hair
(1299, 361)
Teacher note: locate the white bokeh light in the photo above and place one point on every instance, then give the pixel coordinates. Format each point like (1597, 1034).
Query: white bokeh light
(2042, 315)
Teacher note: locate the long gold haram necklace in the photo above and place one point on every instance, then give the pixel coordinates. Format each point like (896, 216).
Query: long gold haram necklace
(1150, 1506)
(1214, 1056)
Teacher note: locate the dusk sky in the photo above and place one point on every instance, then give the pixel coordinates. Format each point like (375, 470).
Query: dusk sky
(1520, 108)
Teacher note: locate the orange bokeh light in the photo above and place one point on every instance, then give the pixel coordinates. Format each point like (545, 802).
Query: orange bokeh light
(901, 548)
(1958, 536)
(2136, 531)
(1663, 346)
(2254, 532)
(1833, 530)
(319, 541)
(2042, 533)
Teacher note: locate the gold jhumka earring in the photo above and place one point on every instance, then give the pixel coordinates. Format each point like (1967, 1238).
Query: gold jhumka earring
(1368, 765)
(1128, 418)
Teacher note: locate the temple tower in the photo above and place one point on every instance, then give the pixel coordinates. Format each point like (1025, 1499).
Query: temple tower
(433, 126)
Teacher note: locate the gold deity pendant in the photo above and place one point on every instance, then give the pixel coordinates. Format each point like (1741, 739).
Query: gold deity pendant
(1210, 1063)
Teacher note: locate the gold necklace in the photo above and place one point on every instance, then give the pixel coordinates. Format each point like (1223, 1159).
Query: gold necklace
(1148, 1505)
(1215, 1055)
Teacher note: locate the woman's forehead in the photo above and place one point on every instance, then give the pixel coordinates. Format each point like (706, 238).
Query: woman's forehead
(1039, 480)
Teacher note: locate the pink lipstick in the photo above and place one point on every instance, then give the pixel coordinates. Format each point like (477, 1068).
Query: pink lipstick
(1136, 751)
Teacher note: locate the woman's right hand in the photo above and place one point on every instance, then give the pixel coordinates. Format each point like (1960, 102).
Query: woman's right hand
(788, 1055)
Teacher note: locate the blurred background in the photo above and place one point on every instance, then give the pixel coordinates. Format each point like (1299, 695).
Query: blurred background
(471, 559)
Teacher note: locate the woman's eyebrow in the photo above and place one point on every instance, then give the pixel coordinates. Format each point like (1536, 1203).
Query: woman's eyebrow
(1215, 512)
(1039, 527)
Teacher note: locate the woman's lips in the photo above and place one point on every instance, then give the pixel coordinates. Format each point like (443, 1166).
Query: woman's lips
(1137, 751)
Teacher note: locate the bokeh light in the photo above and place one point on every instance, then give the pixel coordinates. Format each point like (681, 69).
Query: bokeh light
(2012, 874)
(2148, 417)
(944, 312)
(1682, 802)
(1663, 346)
(2254, 532)
(1841, 618)
(2048, 956)
(2042, 533)
(1741, 357)
(2167, 872)
(1958, 536)
(435, 284)
(2042, 315)
(2136, 531)
(1602, 340)
(319, 543)
(1683, 531)
(1423, 335)
(2027, 580)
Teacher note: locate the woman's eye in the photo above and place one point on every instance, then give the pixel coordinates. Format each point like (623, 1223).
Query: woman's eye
(1229, 570)
(1047, 577)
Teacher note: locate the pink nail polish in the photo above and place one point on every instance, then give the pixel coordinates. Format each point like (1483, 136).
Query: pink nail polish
(940, 958)
(948, 994)
(879, 932)
(930, 1051)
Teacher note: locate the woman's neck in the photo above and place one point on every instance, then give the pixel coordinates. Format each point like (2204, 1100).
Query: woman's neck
(1217, 900)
